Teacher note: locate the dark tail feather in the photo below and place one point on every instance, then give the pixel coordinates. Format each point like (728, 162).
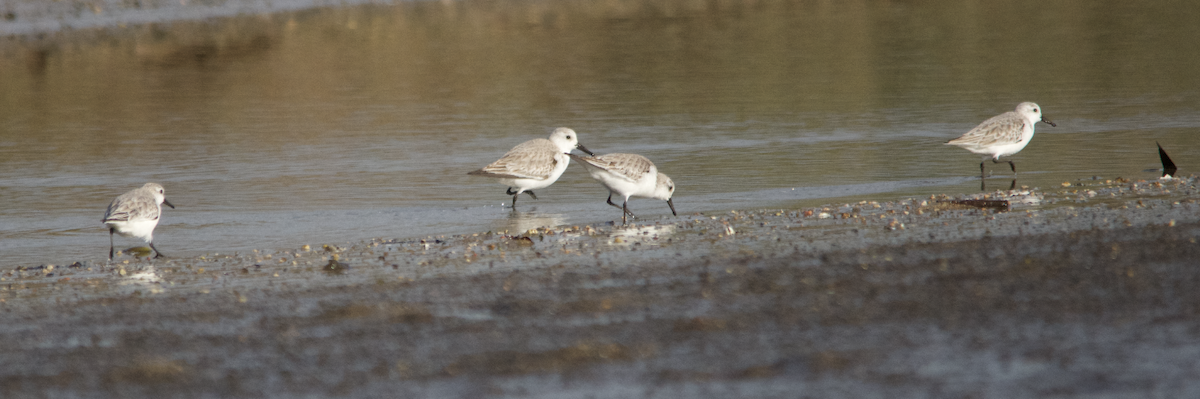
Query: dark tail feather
(1168, 166)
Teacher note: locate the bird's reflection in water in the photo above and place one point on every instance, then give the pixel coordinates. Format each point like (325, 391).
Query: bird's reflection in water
(146, 277)
(644, 234)
(983, 185)
(520, 222)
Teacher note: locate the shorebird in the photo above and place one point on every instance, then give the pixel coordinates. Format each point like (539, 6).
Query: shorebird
(135, 214)
(1002, 135)
(534, 164)
(629, 175)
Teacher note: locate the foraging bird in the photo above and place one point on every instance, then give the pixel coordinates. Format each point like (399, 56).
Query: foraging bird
(629, 175)
(135, 214)
(1003, 135)
(534, 164)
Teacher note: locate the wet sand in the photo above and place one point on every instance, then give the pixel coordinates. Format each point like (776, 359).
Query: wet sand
(1081, 291)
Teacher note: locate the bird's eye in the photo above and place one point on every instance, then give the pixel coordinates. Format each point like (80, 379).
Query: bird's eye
(568, 137)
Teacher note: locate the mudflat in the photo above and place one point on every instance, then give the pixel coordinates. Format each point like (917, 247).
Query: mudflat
(1089, 289)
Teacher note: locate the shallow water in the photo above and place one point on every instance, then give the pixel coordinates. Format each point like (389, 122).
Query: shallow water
(340, 124)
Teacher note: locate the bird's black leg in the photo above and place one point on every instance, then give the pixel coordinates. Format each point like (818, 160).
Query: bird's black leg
(110, 242)
(618, 207)
(982, 173)
(514, 194)
(625, 209)
(609, 200)
(1010, 164)
(157, 253)
(517, 193)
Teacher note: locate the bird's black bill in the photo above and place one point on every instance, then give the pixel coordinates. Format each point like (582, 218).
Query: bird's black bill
(1048, 122)
(168, 203)
(672, 205)
(584, 149)
(1168, 166)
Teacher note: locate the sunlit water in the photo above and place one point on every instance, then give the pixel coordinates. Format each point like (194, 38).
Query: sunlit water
(337, 125)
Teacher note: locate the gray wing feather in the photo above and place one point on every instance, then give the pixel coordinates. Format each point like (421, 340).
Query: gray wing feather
(629, 166)
(132, 205)
(533, 159)
(1005, 128)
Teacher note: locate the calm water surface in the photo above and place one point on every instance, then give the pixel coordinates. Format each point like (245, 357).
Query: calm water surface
(336, 125)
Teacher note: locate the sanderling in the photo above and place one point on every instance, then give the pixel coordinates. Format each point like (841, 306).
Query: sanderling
(534, 164)
(629, 175)
(1002, 135)
(135, 214)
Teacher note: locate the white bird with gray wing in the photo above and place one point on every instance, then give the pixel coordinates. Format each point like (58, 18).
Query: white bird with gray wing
(629, 175)
(534, 164)
(1002, 135)
(136, 214)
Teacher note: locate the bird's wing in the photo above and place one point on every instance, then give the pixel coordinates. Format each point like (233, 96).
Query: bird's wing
(533, 159)
(1005, 128)
(130, 206)
(628, 166)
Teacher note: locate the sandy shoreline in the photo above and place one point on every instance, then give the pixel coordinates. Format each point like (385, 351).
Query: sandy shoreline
(1082, 288)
